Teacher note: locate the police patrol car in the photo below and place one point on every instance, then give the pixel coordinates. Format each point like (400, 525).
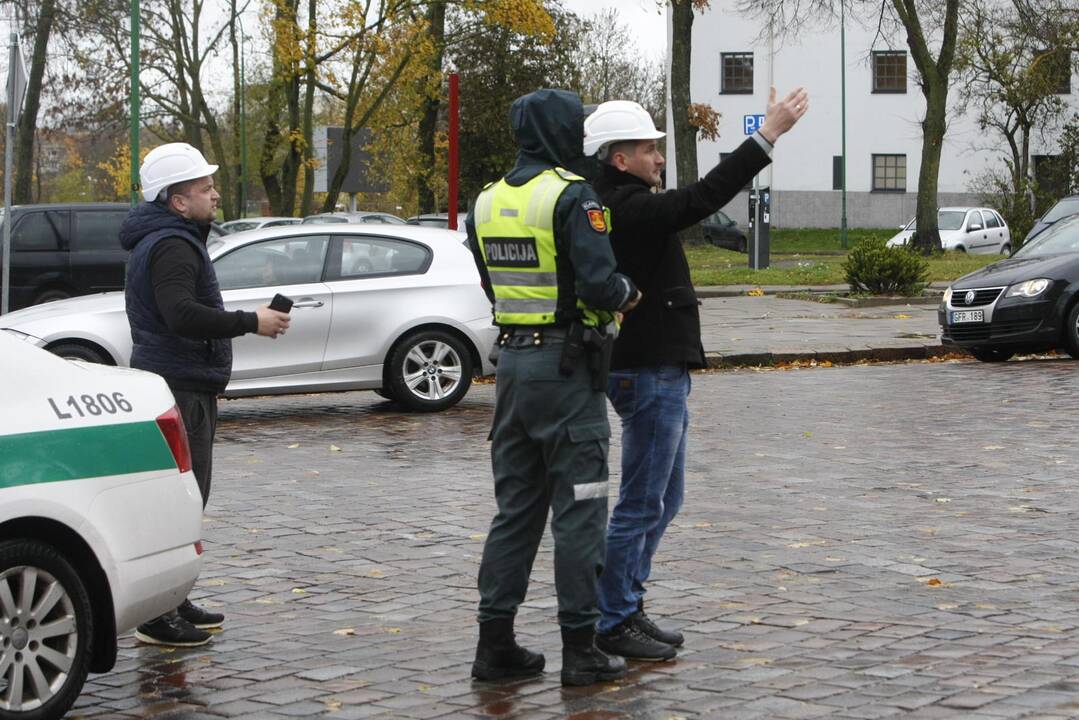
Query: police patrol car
(100, 520)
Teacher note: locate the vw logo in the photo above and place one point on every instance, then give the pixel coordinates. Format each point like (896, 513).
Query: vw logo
(968, 299)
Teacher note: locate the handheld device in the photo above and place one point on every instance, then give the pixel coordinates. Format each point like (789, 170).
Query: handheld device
(281, 303)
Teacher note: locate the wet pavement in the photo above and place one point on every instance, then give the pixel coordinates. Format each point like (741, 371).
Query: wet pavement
(857, 542)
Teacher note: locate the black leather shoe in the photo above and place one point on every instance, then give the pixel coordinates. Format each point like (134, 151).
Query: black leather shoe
(644, 623)
(629, 642)
(199, 617)
(587, 664)
(171, 630)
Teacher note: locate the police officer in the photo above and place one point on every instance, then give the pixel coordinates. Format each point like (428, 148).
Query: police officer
(539, 237)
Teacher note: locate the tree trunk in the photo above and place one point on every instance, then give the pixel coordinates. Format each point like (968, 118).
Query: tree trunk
(238, 83)
(927, 236)
(935, 76)
(279, 180)
(436, 17)
(308, 111)
(24, 142)
(685, 135)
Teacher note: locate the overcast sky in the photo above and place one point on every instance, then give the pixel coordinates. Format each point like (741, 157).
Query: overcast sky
(646, 21)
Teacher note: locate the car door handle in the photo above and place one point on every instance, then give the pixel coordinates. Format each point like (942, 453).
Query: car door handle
(309, 303)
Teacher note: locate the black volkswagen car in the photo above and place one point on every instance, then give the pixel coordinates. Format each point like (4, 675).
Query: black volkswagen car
(1027, 303)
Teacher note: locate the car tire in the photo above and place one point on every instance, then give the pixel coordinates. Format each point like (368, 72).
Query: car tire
(31, 563)
(743, 245)
(78, 351)
(1071, 331)
(429, 370)
(384, 391)
(988, 354)
(50, 295)
(1006, 249)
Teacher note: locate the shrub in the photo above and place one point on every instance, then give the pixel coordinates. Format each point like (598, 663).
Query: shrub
(873, 267)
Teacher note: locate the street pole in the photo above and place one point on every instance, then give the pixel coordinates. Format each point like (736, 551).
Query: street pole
(843, 117)
(243, 123)
(454, 111)
(9, 150)
(134, 102)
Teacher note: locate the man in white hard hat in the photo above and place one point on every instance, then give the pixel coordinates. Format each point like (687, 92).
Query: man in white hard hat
(179, 326)
(659, 343)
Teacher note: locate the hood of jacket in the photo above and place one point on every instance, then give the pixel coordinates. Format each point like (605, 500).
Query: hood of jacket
(149, 217)
(549, 127)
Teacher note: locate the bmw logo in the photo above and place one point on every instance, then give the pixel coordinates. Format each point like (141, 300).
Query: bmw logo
(969, 297)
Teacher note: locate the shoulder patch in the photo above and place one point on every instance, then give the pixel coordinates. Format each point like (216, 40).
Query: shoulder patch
(597, 220)
(567, 175)
(591, 205)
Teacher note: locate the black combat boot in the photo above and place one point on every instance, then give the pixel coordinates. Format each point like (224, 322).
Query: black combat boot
(499, 657)
(644, 623)
(583, 663)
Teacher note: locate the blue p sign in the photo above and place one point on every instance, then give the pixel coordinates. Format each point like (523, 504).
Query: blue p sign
(752, 123)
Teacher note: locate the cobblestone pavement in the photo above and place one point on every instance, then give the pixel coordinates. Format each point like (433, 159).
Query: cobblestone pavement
(857, 542)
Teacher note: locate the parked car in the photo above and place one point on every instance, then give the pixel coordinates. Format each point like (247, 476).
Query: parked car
(723, 232)
(965, 229)
(392, 308)
(234, 226)
(100, 520)
(1026, 303)
(1063, 208)
(439, 220)
(353, 217)
(63, 250)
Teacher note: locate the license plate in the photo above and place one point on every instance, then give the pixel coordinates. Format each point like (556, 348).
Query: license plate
(965, 316)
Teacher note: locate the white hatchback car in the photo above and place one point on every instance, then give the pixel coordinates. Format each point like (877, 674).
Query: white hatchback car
(397, 309)
(965, 229)
(100, 520)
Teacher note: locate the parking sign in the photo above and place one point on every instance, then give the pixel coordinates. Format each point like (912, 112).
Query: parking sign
(752, 123)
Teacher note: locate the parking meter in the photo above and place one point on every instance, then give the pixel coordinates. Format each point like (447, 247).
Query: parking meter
(760, 211)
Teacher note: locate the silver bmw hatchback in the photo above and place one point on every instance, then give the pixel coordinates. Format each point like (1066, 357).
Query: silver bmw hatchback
(397, 309)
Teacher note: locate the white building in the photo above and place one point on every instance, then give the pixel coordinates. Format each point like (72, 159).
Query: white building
(734, 63)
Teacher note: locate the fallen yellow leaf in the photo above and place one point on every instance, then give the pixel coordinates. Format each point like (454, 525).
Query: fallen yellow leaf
(933, 582)
(299, 591)
(375, 573)
(334, 448)
(293, 446)
(755, 292)
(344, 631)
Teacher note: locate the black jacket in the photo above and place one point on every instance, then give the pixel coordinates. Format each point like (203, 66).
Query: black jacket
(179, 327)
(549, 127)
(665, 328)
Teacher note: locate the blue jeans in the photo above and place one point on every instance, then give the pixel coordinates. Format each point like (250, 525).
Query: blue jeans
(652, 403)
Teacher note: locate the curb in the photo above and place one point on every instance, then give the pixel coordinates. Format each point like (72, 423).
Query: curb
(718, 361)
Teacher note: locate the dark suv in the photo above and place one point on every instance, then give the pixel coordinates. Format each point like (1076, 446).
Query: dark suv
(65, 249)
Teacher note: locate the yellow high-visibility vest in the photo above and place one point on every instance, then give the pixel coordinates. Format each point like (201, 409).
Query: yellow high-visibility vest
(515, 229)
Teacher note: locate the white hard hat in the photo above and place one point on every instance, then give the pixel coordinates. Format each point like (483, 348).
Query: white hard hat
(169, 164)
(617, 120)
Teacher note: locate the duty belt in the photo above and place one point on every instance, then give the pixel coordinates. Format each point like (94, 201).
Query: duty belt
(530, 335)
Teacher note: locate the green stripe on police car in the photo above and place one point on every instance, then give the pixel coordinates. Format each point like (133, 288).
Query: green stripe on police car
(71, 454)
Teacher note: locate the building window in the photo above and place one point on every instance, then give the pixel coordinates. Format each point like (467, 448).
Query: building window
(890, 173)
(1051, 174)
(889, 72)
(837, 172)
(736, 72)
(1058, 66)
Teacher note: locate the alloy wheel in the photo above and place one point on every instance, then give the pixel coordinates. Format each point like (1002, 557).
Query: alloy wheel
(39, 638)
